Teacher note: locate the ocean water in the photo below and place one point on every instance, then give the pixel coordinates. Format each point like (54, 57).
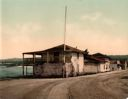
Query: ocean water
(15, 71)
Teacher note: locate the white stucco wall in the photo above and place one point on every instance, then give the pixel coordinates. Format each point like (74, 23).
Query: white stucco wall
(91, 68)
(107, 66)
(81, 63)
(78, 62)
(104, 67)
(74, 61)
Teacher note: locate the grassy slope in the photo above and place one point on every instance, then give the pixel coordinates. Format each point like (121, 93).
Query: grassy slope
(120, 57)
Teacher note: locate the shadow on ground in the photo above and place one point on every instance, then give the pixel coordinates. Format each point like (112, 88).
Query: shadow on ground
(124, 77)
(40, 77)
(28, 77)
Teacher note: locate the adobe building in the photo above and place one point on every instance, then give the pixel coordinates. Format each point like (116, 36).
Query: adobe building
(55, 62)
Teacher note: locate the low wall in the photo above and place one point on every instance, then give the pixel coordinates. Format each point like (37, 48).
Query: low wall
(90, 68)
(54, 70)
(49, 70)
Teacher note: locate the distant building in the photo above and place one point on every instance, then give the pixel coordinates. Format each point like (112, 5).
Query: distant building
(123, 64)
(96, 63)
(92, 64)
(115, 65)
(118, 64)
(105, 65)
(55, 61)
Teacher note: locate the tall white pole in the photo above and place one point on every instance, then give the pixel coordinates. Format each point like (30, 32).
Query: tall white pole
(65, 32)
(65, 27)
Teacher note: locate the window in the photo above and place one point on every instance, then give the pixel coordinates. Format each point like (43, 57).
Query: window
(56, 57)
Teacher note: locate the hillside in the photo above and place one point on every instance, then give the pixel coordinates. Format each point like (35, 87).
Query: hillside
(11, 62)
(119, 57)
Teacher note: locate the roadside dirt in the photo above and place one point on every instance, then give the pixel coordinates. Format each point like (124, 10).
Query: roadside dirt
(110, 85)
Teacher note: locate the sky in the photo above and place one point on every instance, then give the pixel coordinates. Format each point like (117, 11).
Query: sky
(31, 25)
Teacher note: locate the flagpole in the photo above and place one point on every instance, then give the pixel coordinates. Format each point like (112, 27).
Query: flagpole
(65, 32)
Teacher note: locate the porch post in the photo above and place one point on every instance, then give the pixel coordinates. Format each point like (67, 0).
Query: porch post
(125, 64)
(23, 64)
(98, 68)
(33, 62)
(64, 67)
(26, 70)
(47, 57)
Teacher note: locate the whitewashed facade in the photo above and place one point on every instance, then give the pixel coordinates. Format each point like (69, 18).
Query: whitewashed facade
(77, 61)
(104, 67)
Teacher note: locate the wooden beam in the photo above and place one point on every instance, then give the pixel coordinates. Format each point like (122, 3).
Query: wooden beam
(23, 64)
(34, 60)
(98, 68)
(64, 57)
(47, 57)
(26, 70)
(63, 70)
(42, 56)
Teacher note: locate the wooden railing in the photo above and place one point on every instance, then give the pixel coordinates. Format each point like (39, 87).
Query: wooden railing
(30, 61)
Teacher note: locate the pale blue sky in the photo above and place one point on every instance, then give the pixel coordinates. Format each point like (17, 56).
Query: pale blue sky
(99, 25)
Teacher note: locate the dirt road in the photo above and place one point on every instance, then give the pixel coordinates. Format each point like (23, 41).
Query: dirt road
(110, 85)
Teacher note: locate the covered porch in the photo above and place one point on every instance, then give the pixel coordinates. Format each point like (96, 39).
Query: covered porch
(39, 58)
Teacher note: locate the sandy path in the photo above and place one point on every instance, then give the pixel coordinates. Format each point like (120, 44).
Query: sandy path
(111, 85)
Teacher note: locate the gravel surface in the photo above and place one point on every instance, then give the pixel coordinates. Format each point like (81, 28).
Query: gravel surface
(109, 85)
